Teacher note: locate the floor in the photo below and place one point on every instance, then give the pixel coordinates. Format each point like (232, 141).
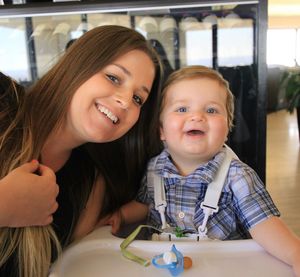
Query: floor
(283, 166)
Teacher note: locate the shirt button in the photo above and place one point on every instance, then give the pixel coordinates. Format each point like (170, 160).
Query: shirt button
(181, 215)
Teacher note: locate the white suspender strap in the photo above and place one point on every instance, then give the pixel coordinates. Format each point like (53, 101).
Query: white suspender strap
(159, 196)
(214, 189)
(160, 199)
(212, 196)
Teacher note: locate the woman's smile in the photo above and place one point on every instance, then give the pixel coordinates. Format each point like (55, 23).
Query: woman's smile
(109, 114)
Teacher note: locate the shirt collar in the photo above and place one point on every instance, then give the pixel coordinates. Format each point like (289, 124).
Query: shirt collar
(205, 172)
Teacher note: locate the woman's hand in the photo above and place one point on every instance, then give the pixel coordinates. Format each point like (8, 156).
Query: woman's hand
(28, 196)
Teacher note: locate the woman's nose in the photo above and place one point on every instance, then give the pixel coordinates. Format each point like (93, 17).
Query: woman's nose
(124, 98)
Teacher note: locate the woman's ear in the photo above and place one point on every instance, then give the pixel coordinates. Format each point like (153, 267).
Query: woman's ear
(161, 132)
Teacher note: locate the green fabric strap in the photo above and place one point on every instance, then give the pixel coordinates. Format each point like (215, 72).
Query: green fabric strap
(127, 254)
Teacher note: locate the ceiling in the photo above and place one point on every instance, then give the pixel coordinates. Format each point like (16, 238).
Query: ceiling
(283, 7)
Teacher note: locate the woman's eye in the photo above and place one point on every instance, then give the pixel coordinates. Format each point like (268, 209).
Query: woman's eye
(211, 110)
(182, 110)
(113, 78)
(138, 100)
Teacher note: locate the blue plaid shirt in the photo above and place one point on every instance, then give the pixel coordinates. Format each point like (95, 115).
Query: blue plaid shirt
(244, 201)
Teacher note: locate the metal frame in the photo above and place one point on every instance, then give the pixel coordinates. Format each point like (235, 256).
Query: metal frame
(261, 121)
(48, 8)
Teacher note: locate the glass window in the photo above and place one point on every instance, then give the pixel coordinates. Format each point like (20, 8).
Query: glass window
(298, 48)
(235, 42)
(50, 35)
(199, 47)
(281, 41)
(13, 50)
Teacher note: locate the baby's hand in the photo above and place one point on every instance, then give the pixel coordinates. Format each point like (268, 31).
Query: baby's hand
(28, 195)
(115, 220)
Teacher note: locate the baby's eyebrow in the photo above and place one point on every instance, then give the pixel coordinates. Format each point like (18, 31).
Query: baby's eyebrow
(179, 102)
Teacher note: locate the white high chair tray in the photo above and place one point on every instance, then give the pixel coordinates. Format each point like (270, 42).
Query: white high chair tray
(99, 255)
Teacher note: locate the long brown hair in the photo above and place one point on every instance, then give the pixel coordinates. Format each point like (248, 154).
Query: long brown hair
(43, 110)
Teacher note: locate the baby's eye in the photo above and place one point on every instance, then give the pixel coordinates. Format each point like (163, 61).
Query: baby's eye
(182, 110)
(211, 110)
(113, 78)
(138, 100)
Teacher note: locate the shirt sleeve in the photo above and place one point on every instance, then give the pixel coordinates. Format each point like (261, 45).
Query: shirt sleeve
(252, 202)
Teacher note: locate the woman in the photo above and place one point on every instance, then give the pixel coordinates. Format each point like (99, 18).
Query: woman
(72, 121)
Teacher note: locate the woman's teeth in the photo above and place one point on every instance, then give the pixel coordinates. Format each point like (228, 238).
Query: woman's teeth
(108, 113)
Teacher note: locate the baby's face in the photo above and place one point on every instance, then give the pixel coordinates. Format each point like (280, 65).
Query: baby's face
(194, 119)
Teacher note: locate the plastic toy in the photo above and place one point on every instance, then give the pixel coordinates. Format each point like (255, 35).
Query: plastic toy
(171, 260)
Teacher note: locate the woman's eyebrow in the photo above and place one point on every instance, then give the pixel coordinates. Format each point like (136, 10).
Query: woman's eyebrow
(123, 69)
(129, 74)
(146, 90)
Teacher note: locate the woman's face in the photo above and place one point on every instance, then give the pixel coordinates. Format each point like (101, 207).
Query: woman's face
(108, 104)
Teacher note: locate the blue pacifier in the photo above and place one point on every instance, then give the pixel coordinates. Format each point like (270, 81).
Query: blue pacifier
(172, 260)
